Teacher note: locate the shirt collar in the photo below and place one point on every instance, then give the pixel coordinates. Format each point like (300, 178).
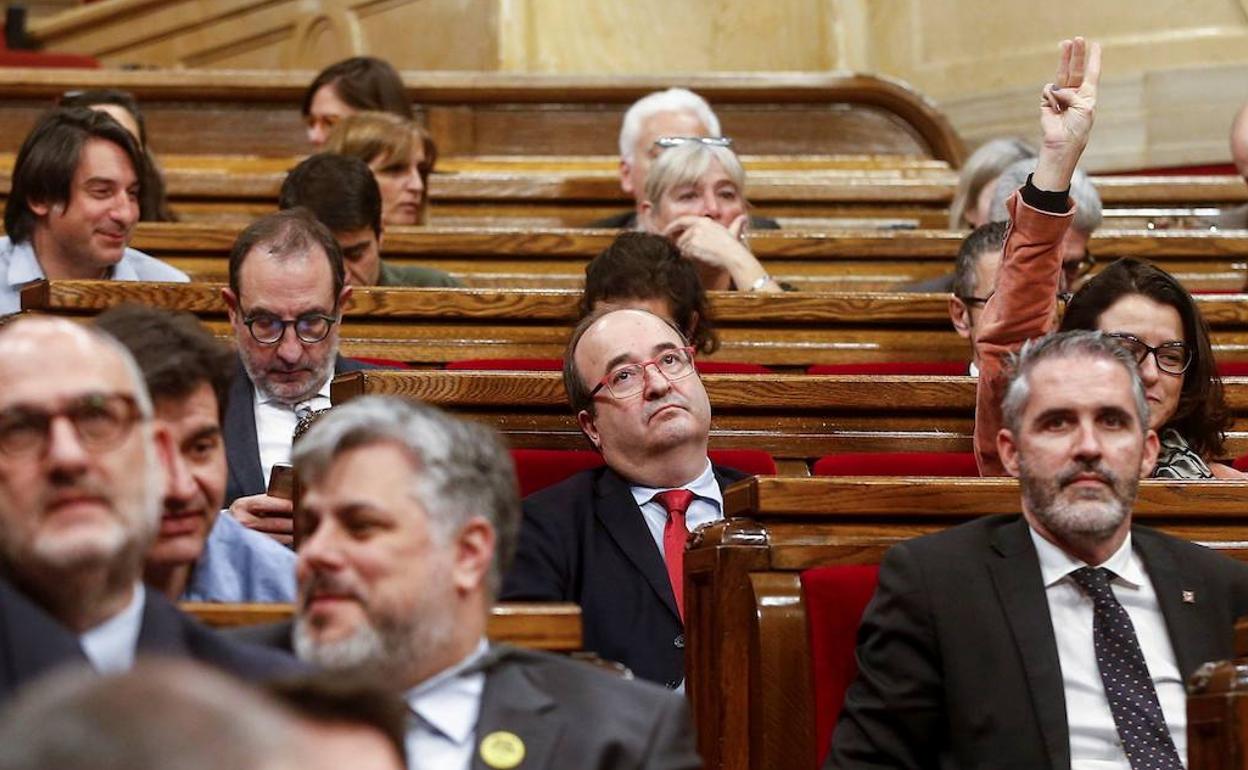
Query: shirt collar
(263, 398)
(112, 644)
(450, 700)
(703, 487)
(24, 266)
(1056, 564)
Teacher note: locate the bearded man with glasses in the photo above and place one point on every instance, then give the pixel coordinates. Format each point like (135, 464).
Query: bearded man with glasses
(82, 474)
(612, 538)
(285, 300)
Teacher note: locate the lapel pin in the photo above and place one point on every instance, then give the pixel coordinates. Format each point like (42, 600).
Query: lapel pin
(1189, 597)
(502, 750)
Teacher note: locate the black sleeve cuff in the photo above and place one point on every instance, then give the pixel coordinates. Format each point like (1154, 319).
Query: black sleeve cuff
(1051, 202)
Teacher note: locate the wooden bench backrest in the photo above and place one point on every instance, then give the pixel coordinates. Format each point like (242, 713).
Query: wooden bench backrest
(748, 658)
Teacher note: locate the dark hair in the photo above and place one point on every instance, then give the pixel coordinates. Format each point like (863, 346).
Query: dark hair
(287, 232)
(153, 202)
(578, 395)
(1202, 417)
(45, 165)
(983, 239)
(365, 83)
(339, 190)
(640, 266)
(335, 698)
(175, 353)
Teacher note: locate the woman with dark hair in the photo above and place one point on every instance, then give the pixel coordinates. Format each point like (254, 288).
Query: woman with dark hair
(640, 270)
(1142, 306)
(358, 84)
(122, 107)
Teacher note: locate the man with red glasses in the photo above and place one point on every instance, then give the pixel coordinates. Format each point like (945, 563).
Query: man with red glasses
(612, 538)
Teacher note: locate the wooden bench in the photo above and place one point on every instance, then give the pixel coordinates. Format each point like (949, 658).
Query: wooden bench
(748, 656)
(543, 626)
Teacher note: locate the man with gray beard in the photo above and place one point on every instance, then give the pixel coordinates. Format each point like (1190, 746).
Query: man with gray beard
(411, 516)
(82, 474)
(1061, 638)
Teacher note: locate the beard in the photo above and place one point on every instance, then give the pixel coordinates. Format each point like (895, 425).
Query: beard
(1083, 515)
(291, 393)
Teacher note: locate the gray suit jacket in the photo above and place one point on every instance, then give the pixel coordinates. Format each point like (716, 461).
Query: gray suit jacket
(957, 658)
(242, 447)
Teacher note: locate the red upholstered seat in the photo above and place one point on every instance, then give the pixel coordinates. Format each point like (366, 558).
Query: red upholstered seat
(1233, 368)
(835, 598)
(555, 365)
(1241, 464)
(948, 368)
(537, 469)
(897, 464)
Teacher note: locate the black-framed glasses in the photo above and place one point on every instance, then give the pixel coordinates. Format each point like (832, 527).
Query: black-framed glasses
(630, 379)
(99, 419)
(268, 329)
(667, 142)
(1074, 269)
(1062, 298)
(1171, 357)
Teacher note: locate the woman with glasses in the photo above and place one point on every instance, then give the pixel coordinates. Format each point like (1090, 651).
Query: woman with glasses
(1141, 306)
(695, 197)
(400, 154)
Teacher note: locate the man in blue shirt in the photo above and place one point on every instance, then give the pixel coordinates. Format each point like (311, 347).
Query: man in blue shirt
(198, 554)
(72, 206)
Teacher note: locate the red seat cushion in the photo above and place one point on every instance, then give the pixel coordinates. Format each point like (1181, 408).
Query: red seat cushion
(731, 367)
(835, 599)
(537, 469)
(1241, 464)
(947, 368)
(1233, 368)
(897, 464)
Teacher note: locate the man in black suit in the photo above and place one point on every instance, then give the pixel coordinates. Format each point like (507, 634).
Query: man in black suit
(82, 474)
(603, 538)
(1062, 638)
(411, 517)
(285, 300)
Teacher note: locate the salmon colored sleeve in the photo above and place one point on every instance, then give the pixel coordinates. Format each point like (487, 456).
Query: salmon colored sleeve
(1019, 309)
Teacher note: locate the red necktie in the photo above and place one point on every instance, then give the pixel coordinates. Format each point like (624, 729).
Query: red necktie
(675, 533)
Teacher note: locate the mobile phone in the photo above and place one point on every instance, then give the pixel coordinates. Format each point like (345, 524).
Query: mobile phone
(282, 481)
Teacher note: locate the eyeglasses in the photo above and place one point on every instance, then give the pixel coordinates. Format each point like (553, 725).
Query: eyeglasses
(1062, 298)
(269, 329)
(630, 379)
(1074, 269)
(1171, 357)
(99, 419)
(667, 142)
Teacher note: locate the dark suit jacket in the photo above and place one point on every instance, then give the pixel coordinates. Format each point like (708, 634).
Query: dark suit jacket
(627, 220)
(33, 643)
(584, 540)
(242, 448)
(958, 662)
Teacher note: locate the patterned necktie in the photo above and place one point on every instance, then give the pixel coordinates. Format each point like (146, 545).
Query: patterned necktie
(675, 533)
(1128, 685)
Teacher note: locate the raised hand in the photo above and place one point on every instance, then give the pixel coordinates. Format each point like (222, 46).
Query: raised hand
(1067, 111)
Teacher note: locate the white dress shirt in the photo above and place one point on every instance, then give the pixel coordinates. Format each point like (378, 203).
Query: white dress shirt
(444, 709)
(707, 505)
(1094, 743)
(110, 646)
(275, 425)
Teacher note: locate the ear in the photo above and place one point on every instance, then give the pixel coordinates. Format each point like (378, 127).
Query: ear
(626, 177)
(343, 297)
(1152, 446)
(960, 315)
(586, 421)
(40, 208)
(231, 305)
(474, 554)
(1007, 450)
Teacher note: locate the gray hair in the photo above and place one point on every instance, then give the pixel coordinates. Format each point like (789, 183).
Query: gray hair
(686, 163)
(1091, 344)
(984, 165)
(461, 468)
(1088, 213)
(166, 715)
(671, 100)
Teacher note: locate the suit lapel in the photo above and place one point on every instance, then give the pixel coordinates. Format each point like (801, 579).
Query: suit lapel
(1015, 570)
(514, 704)
(31, 640)
(242, 448)
(1194, 641)
(623, 520)
(162, 630)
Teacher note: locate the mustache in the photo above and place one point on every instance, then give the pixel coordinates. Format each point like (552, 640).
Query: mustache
(1084, 468)
(671, 399)
(324, 583)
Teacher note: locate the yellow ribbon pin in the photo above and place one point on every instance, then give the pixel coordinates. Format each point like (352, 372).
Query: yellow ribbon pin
(502, 750)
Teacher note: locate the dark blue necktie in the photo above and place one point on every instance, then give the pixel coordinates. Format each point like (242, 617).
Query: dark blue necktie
(1128, 685)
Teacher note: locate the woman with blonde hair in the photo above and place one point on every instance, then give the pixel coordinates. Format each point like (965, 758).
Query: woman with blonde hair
(400, 154)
